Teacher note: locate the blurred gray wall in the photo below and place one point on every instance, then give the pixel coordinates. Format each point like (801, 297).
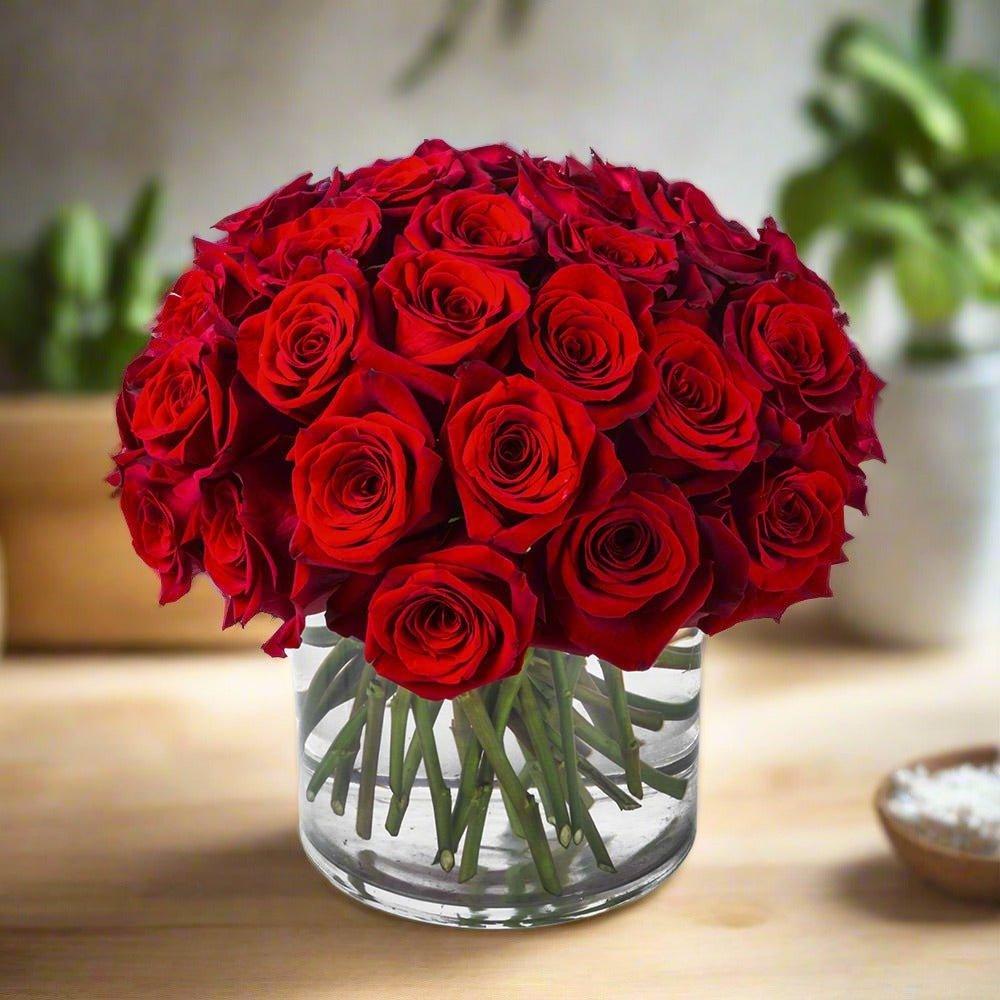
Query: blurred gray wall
(227, 99)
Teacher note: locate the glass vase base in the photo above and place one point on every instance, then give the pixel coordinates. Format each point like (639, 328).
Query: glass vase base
(574, 903)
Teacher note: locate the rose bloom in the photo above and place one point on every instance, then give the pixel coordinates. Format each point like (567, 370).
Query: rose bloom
(348, 226)
(626, 254)
(288, 202)
(584, 343)
(436, 310)
(624, 578)
(180, 411)
(474, 224)
(160, 506)
(454, 620)
(523, 458)
(364, 475)
(703, 422)
(298, 351)
(790, 341)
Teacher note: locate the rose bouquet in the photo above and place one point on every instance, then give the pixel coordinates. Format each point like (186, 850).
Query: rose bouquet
(499, 418)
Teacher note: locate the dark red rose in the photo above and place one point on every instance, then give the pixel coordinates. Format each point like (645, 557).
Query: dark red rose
(455, 620)
(288, 202)
(703, 422)
(854, 436)
(181, 411)
(791, 520)
(436, 310)
(298, 351)
(246, 521)
(523, 458)
(790, 341)
(347, 226)
(584, 343)
(497, 161)
(236, 278)
(623, 579)
(188, 307)
(475, 224)
(159, 506)
(364, 475)
(626, 254)
(549, 191)
(398, 185)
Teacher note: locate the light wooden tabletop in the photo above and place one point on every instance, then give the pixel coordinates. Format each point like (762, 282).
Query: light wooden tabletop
(148, 847)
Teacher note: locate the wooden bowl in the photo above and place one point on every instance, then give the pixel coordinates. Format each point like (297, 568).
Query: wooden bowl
(959, 873)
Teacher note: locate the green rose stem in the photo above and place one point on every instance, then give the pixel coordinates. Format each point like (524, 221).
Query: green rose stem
(621, 798)
(607, 747)
(440, 796)
(338, 689)
(400, 711)
(476, 815)
(342, 777)
(411, 764)
(627, 742)
(335, 753)
(564, 707)
(523, 803)
(332, 664)
(471, 761)
(594, 697)
(671, 711)
(375, 712)
(531, 716)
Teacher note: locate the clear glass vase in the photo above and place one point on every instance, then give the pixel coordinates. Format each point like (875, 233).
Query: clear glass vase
(584, 800)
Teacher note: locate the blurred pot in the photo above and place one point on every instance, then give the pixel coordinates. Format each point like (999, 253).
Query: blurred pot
(925, 566)
(72, 578)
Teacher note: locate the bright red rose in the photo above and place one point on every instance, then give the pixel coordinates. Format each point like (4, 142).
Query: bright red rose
(347, 226)
(790, 341)
(188, 307)
(791, 520)
(703, 422)
(626, 254)
(523, 458)
(624, 578)
(475, 224)
(398, 185)
(181, 411)
(436, 310)
(298, 351)
(584, 343)
(160, 506)
(236, 277)
(455, 620)
(288, 202)
(364, 476)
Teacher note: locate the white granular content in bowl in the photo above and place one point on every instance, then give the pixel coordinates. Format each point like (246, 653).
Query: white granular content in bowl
(958, 807)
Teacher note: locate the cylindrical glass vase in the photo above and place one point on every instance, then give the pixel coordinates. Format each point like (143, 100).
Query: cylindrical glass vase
(548, 797)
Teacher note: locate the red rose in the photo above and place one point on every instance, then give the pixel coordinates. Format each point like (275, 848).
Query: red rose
(475, 224)
(436, 310)
(286, 203)
(181, 408)
(235, 276)
(791, 343)
(550, 191)
(298, 351)
(364, 476)
(791, 520)
(456, 620)
(346, 226)
(703, 423)
(584, 343)
(626, 254)
(624, 578)
(245, 521)
(188, 307)
(398, 185)
(854, 436)
(523, 458)
(497, 161)
(159, 507)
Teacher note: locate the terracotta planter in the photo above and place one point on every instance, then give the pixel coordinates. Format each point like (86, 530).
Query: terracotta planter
(72, 578)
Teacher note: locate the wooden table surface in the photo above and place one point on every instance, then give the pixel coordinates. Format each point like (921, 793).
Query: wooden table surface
(148, 846)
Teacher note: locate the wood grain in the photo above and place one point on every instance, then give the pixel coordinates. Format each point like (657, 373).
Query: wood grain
(148, 847)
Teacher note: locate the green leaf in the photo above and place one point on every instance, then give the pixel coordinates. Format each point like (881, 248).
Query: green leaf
(60, 347)
(853, 266)
(439, 43)
(817, 197)
(976, 95)
(934, 26)
(930, 282)
(143, 223)
(78, 251)
(859, 52)
(514, 18)
(900, 221)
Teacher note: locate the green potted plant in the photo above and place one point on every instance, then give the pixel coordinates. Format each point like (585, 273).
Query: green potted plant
(908, 184)
(74, 308)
